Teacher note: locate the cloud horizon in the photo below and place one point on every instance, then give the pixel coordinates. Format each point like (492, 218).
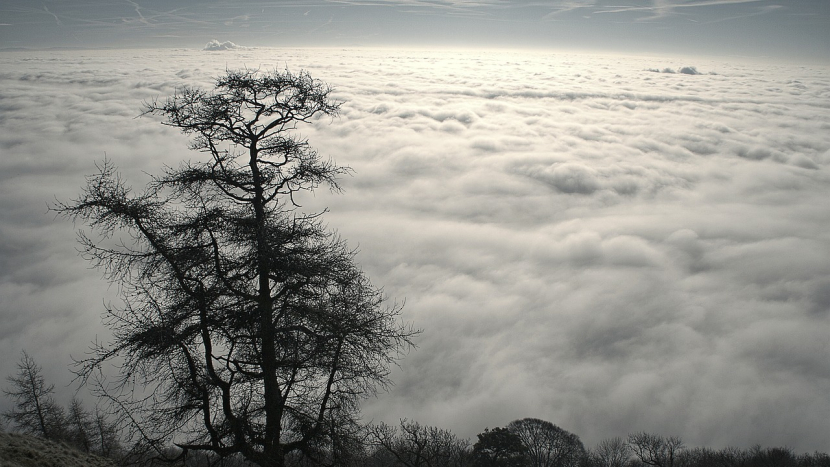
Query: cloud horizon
(795, 30)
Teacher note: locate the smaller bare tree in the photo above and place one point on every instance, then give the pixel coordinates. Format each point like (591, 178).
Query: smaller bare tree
(416, 445)
(80, 426)
(106, 440)
(655, 450)
(35, 411)
(611, 452)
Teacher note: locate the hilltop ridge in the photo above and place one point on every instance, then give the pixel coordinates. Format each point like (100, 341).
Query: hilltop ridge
(17, 450)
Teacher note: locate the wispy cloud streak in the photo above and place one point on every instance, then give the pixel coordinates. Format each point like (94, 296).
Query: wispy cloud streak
(662, 8)
(57, 20)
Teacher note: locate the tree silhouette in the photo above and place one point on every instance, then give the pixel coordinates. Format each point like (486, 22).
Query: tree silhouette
(80, 426)
(655, 450)
(416, 445)
(35, 411)
(547, 445)
(245, 325)
(612, 452)
(499, 447)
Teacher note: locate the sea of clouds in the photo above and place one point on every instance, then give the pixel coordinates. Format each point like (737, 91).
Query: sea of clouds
(581, 239)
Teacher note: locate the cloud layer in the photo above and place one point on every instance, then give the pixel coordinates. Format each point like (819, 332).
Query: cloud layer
(581, 239)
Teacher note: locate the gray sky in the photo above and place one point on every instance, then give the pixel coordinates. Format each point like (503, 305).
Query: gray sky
(794, 29)
(586, 239)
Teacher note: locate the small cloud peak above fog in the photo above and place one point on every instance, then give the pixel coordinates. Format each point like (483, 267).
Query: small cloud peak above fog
(215, 45)
(686, 70)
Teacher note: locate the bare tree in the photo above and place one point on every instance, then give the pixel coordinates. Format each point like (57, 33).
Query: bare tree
(105, 438)
(655, 450)
(706, 457)
(246, 328)
(612, 452)
(415, 445)
(80, 426)
(547, 444)
(35, 411)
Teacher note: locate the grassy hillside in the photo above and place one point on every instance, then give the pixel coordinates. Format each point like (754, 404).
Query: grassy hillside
(28, 451)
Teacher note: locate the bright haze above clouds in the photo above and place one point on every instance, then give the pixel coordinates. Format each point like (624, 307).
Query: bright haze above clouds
(791, 28)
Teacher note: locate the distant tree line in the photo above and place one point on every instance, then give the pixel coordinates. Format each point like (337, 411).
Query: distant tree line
(527, 442)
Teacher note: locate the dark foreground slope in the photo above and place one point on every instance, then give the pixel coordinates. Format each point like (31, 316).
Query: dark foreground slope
(28, 451)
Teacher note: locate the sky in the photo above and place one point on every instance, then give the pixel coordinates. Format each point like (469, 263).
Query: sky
(793, 29)
(629, 239)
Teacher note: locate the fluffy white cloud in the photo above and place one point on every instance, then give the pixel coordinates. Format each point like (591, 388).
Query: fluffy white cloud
(215, 45)
(582, 240)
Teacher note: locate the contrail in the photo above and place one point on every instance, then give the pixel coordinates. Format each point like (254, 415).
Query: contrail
(57, 20)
